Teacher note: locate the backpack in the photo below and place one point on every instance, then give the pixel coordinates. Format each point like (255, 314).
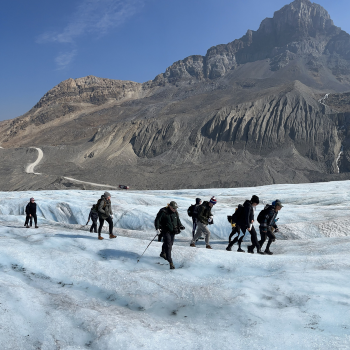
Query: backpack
(190, 210)
(238, 214)
(262, 215)
(98, 203)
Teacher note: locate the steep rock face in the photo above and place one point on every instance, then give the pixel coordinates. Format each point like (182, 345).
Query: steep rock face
(299, 29)
(292, 117)
(270, 123)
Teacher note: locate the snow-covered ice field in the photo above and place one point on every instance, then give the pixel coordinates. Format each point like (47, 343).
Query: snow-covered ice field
(61, 288)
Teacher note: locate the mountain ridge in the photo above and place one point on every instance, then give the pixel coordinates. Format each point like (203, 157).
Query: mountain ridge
(248, 113)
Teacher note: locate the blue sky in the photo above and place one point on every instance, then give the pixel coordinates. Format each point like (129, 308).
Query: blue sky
(44, 42)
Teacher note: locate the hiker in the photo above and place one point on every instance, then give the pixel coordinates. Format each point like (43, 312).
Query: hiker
(192, 211)
(205, 218)
(31, 214)
(236, 230)
(267, 219)
(93, 215)
(104, 208)
(168, 221)
(159, 228)
(245, 222)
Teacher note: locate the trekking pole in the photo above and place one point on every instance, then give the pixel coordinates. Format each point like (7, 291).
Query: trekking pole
(147, 247)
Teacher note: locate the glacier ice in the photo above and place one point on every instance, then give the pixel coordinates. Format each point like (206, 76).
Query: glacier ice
(61, 288)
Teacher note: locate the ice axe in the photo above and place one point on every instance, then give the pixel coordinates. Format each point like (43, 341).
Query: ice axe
(148, 246)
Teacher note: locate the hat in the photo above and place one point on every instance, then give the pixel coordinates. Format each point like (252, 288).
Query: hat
(255, 199)
(213, 200)
(198, 200)
(107, 194)
(32, 199)
(173, 204)
(276, 203)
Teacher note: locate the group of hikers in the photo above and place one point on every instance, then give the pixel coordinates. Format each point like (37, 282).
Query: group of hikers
(101, 211)
(168, 224)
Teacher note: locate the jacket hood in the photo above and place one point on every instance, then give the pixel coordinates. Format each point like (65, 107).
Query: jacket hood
(247, 202)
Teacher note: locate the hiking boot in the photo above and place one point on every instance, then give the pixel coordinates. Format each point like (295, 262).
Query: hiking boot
(208, 246)
(162, 255)
(36, 226)
(100, 237)
(112, 236)
(91, 230)
(260, 252)
(250, 249)
(172, 267)
(229, 249)
(267, 251)
(240, 250)
(192, 245)
(27, 226)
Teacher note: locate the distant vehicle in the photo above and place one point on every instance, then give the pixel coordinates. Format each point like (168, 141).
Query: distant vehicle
(123, 187)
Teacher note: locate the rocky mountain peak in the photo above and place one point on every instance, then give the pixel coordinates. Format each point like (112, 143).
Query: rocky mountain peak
(301, 28)
(89, 89)
(296, 21)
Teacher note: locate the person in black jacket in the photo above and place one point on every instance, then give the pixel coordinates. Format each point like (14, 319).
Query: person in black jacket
(31, 214)
(169, 222)
(93, 215)
(268, 224)
(245, 222)
(195, 208)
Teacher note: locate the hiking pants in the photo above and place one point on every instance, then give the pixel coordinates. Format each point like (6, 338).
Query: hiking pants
(238, 238)
(254, 239)
(194, 227)
(168, 241)
(94, 225)
(30, 219)
(263, 235)
(201, 229)
(160, 236)
(110, 222)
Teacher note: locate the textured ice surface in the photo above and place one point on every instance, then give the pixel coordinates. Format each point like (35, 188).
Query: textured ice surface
(61, 288)
(311, 210)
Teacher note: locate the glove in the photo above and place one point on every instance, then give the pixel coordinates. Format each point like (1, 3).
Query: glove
(86, 223)
(276, 229)
(210, 220)
(182, 227)
(158, 231)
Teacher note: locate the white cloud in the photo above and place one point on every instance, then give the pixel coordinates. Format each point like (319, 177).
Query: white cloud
(65, 58)
(93, 16)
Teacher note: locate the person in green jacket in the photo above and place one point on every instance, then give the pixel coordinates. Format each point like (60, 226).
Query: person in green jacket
(105, 213)
(169, 222)
(205, 218)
